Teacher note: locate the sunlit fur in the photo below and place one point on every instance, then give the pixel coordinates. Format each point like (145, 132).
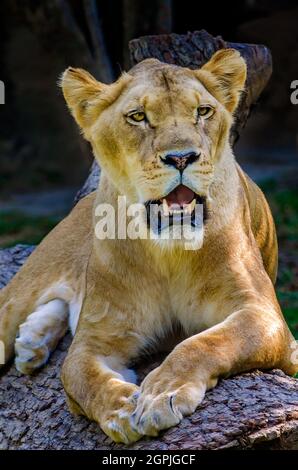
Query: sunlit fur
(132, 293)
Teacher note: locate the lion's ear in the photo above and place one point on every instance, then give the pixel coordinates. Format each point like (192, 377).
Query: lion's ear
(80, 91)
(224, 76)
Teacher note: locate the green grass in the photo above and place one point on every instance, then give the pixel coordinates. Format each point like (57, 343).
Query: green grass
(16, 227)
(289, 304)
(284, 205)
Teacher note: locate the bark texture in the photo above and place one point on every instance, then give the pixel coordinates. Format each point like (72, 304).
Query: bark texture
(253, 410)
(11, 260)
(250, 410)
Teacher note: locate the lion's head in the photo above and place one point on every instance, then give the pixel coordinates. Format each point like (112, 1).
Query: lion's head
(160, 130)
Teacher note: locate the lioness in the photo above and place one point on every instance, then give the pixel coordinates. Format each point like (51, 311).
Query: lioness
(161, 134)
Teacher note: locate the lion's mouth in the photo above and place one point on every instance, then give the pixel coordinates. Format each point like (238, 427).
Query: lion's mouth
(182, 205)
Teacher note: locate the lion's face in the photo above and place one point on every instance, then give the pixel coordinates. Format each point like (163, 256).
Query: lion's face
(160, 130)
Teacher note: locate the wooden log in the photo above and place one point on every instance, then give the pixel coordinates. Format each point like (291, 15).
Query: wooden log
(250, 411)
(91, 182)
(11, 260)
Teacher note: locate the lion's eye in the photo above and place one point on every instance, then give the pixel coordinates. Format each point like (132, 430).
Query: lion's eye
(205, 111)
(137, 117)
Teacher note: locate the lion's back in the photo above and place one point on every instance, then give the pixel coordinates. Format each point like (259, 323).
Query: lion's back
(262, 224)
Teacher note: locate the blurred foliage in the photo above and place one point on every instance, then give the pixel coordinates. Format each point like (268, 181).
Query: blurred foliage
(284, 204)
(16, 227)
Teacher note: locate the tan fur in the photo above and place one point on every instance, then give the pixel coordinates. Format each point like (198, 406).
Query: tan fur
(134, 292)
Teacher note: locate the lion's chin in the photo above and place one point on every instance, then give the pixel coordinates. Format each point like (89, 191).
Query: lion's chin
(171, 237)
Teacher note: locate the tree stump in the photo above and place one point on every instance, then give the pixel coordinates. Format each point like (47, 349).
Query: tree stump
(252, 410)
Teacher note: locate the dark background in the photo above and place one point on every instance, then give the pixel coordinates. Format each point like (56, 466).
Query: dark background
(44, 160)
(40, 146)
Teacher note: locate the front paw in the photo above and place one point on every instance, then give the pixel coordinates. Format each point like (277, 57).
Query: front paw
(117, 423)
(164, 401)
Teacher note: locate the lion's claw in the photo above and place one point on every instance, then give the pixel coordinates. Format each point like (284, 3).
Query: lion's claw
(162, 404)
(118, 427)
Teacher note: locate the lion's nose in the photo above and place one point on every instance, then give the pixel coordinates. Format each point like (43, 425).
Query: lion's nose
(180, 160)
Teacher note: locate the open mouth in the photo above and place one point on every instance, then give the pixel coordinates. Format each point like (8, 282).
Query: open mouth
(182, 205)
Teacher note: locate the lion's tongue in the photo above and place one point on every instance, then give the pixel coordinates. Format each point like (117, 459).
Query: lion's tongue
(180, 196)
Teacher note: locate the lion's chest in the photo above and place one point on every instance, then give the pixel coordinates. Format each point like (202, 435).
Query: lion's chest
(195, 315)
(191, 308)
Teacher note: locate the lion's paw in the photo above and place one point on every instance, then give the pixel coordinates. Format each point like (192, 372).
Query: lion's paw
(117, 424)
(39, 335)
(30, 356)
(162, 404)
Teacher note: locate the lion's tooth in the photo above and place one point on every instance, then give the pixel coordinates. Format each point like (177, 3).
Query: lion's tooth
(165, 207)
(188, 208)
(192, 205)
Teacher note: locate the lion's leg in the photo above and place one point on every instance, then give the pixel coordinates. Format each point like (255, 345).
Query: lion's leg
(39, 335)
(55, 270)
(39, 315)
(99, 385)
(95, 373)
(249, 338)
